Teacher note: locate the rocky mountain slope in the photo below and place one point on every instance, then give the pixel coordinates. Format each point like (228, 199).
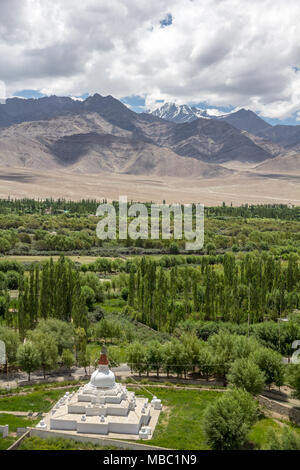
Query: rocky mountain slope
(246, 120)
(101, 134)
(287, 137)
(87, 143)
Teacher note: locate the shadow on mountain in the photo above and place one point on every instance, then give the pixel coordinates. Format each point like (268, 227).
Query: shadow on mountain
(17, 177)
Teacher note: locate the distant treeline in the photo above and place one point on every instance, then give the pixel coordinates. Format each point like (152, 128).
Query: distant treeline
(89, 206)
(269, 211)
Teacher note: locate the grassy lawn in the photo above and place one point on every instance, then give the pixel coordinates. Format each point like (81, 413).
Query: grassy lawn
(36, 443)
(15, 422)
(7, 442)
(180, 427)
(35, 401)
(113, 305)
(39, 387)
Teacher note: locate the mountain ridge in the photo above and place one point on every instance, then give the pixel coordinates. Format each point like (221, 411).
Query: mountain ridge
(104, 134)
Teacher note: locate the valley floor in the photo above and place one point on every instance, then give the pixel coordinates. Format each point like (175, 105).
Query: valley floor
(243, 187)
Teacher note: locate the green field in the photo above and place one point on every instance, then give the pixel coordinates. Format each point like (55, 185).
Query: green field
(36, 443)
(15, 422)
(40, 401)
(180, 426)
(29, 259)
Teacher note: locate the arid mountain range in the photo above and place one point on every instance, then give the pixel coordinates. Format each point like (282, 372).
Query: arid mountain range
(101, 134)
(59, 147)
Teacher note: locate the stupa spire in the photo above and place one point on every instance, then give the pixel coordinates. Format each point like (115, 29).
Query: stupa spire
(103, 361)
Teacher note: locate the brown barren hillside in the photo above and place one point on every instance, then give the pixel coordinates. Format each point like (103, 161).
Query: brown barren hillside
(287, 164)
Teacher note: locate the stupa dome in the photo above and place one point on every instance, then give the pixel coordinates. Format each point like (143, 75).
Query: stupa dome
(103, 377)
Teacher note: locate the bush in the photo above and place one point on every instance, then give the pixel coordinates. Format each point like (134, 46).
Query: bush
(124, 293)
(227, 422)
(12, 278)
(96, 315)
(287, 440)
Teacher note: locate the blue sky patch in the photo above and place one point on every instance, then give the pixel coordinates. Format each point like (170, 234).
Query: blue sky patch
(29, 94)
(167, 21)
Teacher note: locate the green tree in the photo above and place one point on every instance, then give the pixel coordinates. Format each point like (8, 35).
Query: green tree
(205, 361)
(11, 339)
(270, 363)
(136, 357)
(23, 321)
(228, 420)
(47, 348)
(67, 359)
(246, 375)
(89, 296)
(131, 287)
(294, 379)
(154, 356)
(45, 299)
(84, 359)
(222, 346)
(28, 358)
(62, 332)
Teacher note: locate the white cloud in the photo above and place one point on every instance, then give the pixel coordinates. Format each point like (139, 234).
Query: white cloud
(224, 52)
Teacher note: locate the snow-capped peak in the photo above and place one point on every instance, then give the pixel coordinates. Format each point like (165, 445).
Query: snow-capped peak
(180, 113)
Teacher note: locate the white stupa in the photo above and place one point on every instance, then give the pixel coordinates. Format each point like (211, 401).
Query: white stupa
(103, 407)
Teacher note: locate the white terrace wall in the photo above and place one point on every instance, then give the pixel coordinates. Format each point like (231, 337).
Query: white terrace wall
(44, 434)
(4, 430)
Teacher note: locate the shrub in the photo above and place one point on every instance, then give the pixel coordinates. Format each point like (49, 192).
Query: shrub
(12, 278)
(287, 440)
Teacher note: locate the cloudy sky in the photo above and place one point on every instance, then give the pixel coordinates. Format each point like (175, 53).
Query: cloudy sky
(218, 53)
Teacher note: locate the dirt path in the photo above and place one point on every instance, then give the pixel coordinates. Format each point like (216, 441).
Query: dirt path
(17, 413)
(173, 387)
